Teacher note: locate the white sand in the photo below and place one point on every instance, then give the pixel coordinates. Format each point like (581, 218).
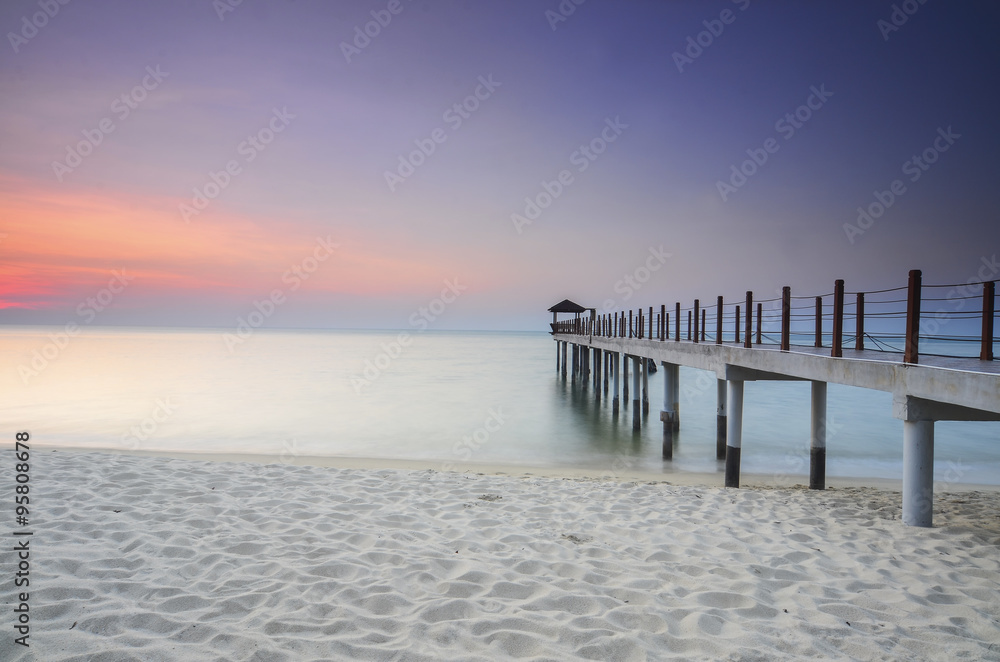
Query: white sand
(143, 558)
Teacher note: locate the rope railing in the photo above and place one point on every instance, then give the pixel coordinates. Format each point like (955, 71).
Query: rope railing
(743, 321)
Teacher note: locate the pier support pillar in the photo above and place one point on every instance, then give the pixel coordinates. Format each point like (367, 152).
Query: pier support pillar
(625, 378)
(645, 385)
(564, 359)
(585, 364)
(607, 369)
(597, 373)
(734, 433)
(558, 354)
(636, 402)
(720, 419)
(667, 414)
(576, 361)
(817, 438)
(918, 472)
(675, 377)
(616, 361)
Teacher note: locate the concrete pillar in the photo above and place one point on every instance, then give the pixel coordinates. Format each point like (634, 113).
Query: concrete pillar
(558, 351)
(675, 378)
(597, 373)
(817, 438)
(636, 402)
(645, 386)
(734, 433)
(564, 358)
(607, 369)
(616, 360)
(585, 364)
(918, 472)
(720, 419)
(576, 361)
(667, 414)
(625, 378)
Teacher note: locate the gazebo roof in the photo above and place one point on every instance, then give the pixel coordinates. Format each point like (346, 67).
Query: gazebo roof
(567, 306)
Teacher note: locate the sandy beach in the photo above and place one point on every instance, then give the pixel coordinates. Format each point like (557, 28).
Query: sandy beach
(153, 558)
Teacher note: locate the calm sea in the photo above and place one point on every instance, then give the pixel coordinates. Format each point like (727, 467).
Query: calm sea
(445, 396)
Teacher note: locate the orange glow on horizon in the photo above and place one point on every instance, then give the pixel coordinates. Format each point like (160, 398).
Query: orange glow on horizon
(62, 243)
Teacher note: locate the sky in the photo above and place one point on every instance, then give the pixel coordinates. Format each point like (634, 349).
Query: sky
(465, 165)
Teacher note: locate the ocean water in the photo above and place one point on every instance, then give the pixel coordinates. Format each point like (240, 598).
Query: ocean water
(443, 397)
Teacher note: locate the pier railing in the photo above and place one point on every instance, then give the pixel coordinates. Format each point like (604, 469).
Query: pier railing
(888, 320)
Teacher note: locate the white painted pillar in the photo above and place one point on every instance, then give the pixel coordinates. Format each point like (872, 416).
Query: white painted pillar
(734, 432)
(817, 438)
(720, 419)
(675, 377)
(636, 401)
(918, 472)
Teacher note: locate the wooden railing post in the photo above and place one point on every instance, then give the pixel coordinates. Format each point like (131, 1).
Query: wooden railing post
(859, 333)
(911, 350)
(650, 322)
(786, 318)
(696, 304)
(819, 322)
(838, 319)
(718, 321)
(748, 330)
(703, 324)
(664, 322)
(736, 327)
(760, 311)
(689, 325)
(677, 322)
(989, 294)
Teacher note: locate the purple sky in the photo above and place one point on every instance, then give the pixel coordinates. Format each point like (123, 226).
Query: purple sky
(643, 127)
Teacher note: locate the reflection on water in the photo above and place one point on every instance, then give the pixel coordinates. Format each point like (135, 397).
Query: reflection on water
(484, 397)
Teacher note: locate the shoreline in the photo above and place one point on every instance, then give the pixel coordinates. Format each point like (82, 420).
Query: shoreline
(155, 557)
(671, 477)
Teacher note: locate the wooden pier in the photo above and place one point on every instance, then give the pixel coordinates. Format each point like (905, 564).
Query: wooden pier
(925, 387)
